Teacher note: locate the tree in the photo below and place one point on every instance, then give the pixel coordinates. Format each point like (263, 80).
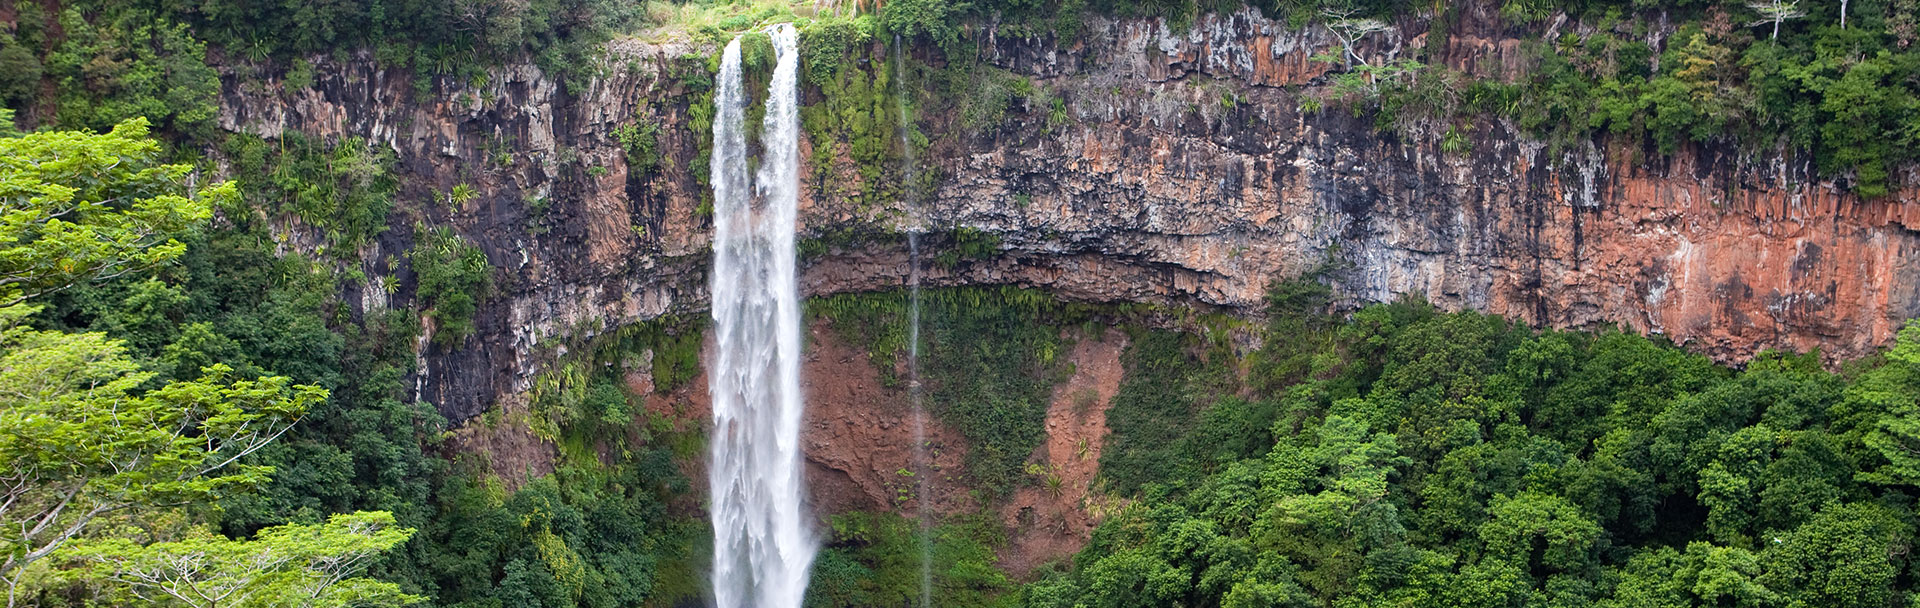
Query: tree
(1897, 435)
(79, 442)
(1539, 529)
(292, 566)
(1332, 510)
(1705, 575)
(1729, 487)
(117, 66)
(1845, 556)
(1349, 469)
(1135, 579)
(77, 206)
(1351, 30)
(82, 435)
(1776, 11)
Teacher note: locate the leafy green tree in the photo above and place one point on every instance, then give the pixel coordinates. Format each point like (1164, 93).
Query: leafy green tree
(82, 435)
(1135, 579)
(1535, 530)
(1729, 487)
(1896, 437)
(19, 72)
(1329, 508)
(1455, 496)
(1703, 575)
(1848, 555)
(1607, 470)
(291, 566)
(80, 443)
(76, 206)
(129, 63)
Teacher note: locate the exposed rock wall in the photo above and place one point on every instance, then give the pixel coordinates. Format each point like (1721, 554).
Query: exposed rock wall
(1157, 190)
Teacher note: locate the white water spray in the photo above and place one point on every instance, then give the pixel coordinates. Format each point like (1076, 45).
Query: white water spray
(762, 543)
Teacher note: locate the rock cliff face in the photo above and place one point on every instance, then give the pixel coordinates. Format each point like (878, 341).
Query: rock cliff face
(1185, 173)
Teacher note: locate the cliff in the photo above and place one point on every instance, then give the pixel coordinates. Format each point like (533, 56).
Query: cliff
(1185, 172)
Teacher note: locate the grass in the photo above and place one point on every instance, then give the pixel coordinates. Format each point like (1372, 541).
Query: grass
(716, 22)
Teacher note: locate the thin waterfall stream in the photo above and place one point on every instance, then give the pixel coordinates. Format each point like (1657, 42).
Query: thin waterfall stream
(763, 543)
(923, 475)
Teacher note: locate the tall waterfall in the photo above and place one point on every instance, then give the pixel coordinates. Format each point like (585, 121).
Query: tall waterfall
(762, 544)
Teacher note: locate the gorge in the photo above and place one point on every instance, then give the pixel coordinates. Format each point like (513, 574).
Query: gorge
(1725, 252)
(925, 303)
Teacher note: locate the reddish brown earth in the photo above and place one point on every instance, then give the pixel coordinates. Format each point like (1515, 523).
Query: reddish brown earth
(858, 438)
(1046, 526)
(505, 445)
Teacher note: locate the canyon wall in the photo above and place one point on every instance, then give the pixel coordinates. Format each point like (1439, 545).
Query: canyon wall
(1185, 172)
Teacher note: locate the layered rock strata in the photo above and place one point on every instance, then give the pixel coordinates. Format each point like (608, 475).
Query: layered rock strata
(1186, 172)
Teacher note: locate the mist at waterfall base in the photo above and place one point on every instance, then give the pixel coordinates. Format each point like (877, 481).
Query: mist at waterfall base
(763, 545)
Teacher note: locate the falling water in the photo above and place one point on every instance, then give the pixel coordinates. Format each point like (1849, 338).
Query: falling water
(762, 545)
(923, 476)
(922, 473)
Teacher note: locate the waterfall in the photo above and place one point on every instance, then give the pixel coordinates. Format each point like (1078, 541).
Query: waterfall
(923, 475)
(762, 543)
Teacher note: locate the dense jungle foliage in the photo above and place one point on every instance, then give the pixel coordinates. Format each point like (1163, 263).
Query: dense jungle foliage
(1407, 457)
(1428, 459)
(1398, 456)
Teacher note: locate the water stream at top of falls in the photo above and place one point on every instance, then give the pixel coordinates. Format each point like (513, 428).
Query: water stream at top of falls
(763, 544)
(923, 475)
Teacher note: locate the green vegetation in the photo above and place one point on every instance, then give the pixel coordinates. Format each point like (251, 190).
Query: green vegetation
(717, 21)
(600, 530)
(577, 392)
(103, 452)
(1833, 86)
(344, 188)
(1158, 405)
(873, 559)
(596, 531)
(125, 64)
(452, 277)
(180, 323)
(695, 83)
(641, 141)
(859, 114)
(968, 244)
(81, 206)
(989, 361)
(302, 565)
(988, 93)
(591, 534)
(562, 36)
(1410, 458)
